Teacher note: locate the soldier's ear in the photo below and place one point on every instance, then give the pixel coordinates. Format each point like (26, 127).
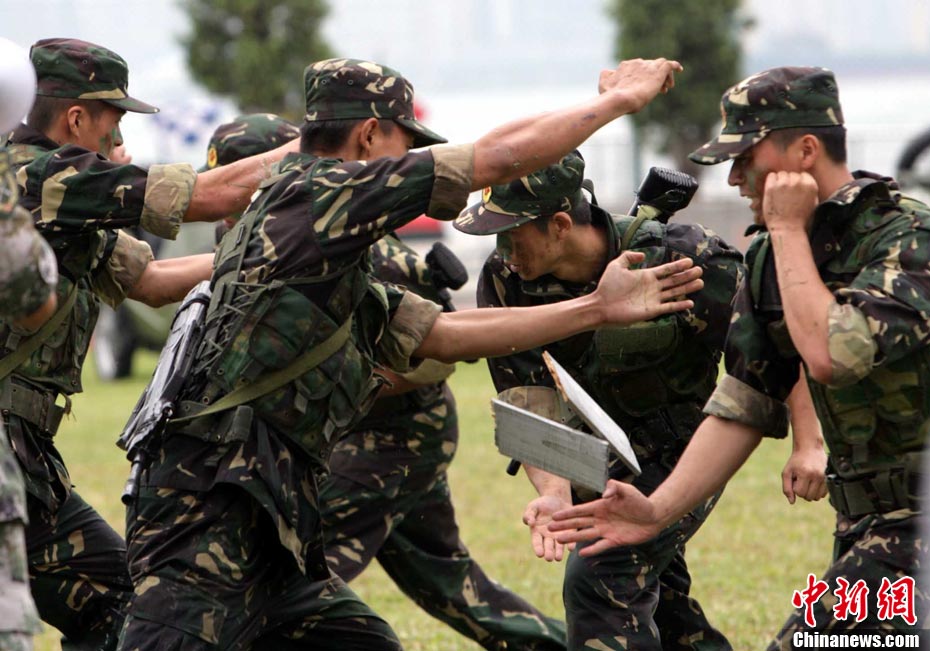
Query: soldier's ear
(809, 150)
(74, 116)
(365, 135)
(563, 223)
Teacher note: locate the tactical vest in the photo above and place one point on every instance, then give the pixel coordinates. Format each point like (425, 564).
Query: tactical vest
(255, 328)
(875, 429)
(649, 377)
(57, 363)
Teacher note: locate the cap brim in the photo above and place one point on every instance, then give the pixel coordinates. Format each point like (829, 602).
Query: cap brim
(726, 147)
(422, 137)
(478, 220)
(132, 105)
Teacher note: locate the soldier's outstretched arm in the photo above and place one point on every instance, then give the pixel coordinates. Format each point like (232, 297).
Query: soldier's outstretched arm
(523, 146)
(168, 281)
(623, 296)
(624, 516)
(227, 190)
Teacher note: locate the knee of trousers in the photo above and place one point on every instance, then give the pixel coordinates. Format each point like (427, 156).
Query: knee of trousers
(181, 615)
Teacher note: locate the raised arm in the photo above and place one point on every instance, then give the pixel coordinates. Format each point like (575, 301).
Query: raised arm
(523, 146)
(227, 190)
(623, 296)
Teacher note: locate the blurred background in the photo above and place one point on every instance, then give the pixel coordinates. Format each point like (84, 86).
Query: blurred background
(477, 63)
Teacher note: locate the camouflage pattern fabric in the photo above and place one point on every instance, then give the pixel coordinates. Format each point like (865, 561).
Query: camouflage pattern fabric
(780, 98)
(543, 193)
(248, 135)
(77, 563)
(68, 67)
(27, 277)
(872, 247)
(352, 89)
(873, 548)
(312, 227)
(387, 497)
(654, 388)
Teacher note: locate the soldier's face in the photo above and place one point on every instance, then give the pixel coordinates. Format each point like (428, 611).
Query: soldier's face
(528, 251)
(101, 133)
(749, 171)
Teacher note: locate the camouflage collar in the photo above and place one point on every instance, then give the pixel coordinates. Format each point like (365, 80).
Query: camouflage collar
(26, 135)
(848, 193)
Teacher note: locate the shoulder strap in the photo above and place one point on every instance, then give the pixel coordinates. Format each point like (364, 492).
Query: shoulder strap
(758, 267)
(12, 361)
(631, 230)
(271, 381)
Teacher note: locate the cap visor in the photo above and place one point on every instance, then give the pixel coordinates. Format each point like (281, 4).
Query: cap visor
(716, 151)
(478, 220)
(422, 137)
(133, 105)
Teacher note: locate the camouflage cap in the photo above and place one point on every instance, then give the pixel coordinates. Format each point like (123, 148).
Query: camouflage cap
(246, 136)
(348, 89)
(544, 192)
(780, 98)
(67, 67)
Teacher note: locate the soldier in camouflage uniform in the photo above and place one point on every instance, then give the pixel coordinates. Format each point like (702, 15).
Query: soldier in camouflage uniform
(553, 244)
(839, 278)
(27, 279)
(387, 494)
(79, 200)
(225, 537)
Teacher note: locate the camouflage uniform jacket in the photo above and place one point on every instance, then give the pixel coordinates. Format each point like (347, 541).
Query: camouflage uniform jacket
(27, 277)
(656, 387)
(872, 248)
(306, 258)
(78, 200)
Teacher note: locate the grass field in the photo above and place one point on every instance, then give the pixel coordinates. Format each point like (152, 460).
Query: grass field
(746, 561)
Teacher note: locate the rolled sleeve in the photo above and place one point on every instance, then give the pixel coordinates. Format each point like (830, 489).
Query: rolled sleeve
(168, 194)
(123, 269)
(852, 347)
(411, 322)
(735, 400)
(454, 170)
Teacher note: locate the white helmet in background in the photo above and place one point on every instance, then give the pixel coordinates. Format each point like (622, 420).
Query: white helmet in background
(17, 84)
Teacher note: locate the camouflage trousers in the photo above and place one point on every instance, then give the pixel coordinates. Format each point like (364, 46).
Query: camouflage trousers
(18, 617)
(77, 562)
(888, 546)
(388, 498)
(210, 573)
(638, 598)
(77, 570)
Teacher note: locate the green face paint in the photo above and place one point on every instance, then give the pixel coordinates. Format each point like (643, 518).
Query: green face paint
(504, 245)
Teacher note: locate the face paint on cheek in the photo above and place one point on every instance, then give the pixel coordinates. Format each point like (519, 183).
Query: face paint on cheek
(504, 245)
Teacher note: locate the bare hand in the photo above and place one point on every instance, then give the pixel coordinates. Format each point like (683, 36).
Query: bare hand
(638, 295)
(637, 81)
(623, 516)
(537, 516)
(120, 156)
(789, 200)
(804, 475)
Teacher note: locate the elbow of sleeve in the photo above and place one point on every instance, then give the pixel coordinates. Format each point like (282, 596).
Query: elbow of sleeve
(820, 370)
(852, 348)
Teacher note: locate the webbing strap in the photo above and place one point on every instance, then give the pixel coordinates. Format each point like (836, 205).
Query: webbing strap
(25, 348)
(631, 230)
(276, 379)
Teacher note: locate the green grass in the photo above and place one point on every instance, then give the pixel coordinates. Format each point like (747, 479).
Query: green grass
(746, 561)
